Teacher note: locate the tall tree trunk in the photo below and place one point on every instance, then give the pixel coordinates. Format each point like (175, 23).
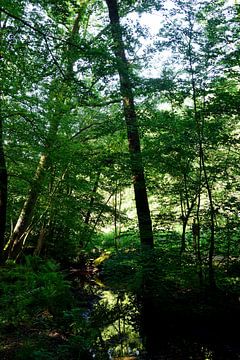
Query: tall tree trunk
(41, 240)
(92, 199)
(197, 232)
(211, 274)
(183, 239)
(141, 199)
(199, 129)
(185, 218)
(3, 192)
(3, 168)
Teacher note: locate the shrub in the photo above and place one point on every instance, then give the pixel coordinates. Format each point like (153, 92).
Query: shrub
(31, 288)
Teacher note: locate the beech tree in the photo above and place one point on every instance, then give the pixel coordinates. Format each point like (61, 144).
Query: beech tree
(141, 199)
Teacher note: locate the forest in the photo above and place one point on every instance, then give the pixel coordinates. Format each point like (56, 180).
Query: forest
(119, 179)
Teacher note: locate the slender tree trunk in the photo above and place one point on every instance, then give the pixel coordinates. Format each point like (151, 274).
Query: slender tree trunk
(17, 238)
(211, 274)
(3, 193)
(184, 224)
(184, 227)
(199, 127)
(41, 240)
(119, 211)
(3, 168)
(197, 250)
(101, 212)
(141, 199)
(228, 244)
(115, 216)
(91, 203)
(16, 241)
(186, 212)
(198, 237)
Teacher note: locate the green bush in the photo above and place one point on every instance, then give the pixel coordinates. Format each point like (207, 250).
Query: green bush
(31, 288)
(39, 318)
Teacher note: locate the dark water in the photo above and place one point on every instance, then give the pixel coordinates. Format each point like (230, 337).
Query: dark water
(137, 327)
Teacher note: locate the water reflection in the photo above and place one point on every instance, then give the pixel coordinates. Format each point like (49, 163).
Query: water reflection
(134, 327)
(169, 335)
(120, 333)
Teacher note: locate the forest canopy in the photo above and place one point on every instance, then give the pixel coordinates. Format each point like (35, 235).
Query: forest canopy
(99, 117)
(119, 179)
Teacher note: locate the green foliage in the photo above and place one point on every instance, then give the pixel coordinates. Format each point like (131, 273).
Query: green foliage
(31, 351)
(60, 95)
(60, 98)
(30, 289)
(164, 272)
(159, 269)
(77, 348)
(128, 241)
(114, 316)
(40, 315)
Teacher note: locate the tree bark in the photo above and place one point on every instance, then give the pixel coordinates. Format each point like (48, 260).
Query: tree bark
(3, 170)
(137, 169)
(199, 129)
(17, 238)
(3, 193)
(92, 199)
(211, 273)
(41, 240)
(185, 217)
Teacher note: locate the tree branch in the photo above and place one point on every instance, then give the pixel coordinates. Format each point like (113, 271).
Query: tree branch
(39, 31)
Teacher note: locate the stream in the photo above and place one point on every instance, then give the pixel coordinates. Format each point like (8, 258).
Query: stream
(133, 326)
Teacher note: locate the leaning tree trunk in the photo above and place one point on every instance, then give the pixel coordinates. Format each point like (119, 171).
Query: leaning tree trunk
(141, 199)
(16, 241)
(3, 193)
